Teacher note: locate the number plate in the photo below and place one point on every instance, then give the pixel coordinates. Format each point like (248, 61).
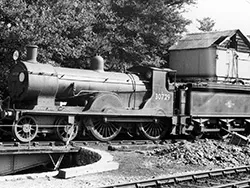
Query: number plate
(162, 96)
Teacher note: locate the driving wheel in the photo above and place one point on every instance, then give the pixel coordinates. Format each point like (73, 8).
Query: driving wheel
(101, 130)
(152, 130)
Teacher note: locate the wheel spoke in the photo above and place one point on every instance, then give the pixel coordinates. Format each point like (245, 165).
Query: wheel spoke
(99, 127)
(64, 134)
(22, 121)
(29, 122)
(109, 130)
(106, 132)
(153, 132)
(112, 128)
(147, 128)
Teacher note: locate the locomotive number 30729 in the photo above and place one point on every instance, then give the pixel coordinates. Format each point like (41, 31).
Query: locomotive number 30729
(162, 96)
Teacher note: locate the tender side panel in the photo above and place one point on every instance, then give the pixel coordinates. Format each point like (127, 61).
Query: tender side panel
(218, 102)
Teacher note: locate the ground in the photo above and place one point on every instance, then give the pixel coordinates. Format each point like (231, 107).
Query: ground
(151, 161)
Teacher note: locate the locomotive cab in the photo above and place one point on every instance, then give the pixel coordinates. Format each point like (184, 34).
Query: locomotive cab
(160, 89)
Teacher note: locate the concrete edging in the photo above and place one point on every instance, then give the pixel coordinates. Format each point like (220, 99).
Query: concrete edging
(106, 163)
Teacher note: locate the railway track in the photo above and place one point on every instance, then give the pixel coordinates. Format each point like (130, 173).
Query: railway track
(225, 178)
(81, 143)
(122, 141)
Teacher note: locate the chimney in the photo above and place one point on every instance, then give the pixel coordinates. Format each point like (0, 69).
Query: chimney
(31, 53)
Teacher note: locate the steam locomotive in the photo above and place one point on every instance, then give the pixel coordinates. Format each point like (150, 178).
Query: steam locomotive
(148, 101)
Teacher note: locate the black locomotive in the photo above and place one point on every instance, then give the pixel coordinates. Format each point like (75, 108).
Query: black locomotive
(68, 101)
(47, 100)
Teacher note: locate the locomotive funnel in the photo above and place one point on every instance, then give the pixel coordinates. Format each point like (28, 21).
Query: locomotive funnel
(31, 53)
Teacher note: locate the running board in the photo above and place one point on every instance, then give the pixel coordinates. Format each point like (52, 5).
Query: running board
(129, 119)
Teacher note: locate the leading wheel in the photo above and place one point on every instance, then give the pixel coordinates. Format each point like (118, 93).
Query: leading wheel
(103, 131)
(25, 129)
(153, 130)
(66, 131)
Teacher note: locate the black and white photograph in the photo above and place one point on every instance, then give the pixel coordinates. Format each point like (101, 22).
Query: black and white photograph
(124, 93)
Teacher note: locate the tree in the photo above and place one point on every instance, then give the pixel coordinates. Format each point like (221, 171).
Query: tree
(69, 32)
(141, 31)
(206, 24)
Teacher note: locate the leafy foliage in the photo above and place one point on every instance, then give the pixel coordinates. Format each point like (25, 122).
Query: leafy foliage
(206, 24)
(69, 32)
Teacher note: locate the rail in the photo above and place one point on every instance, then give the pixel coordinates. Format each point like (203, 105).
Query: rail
(194, 180)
